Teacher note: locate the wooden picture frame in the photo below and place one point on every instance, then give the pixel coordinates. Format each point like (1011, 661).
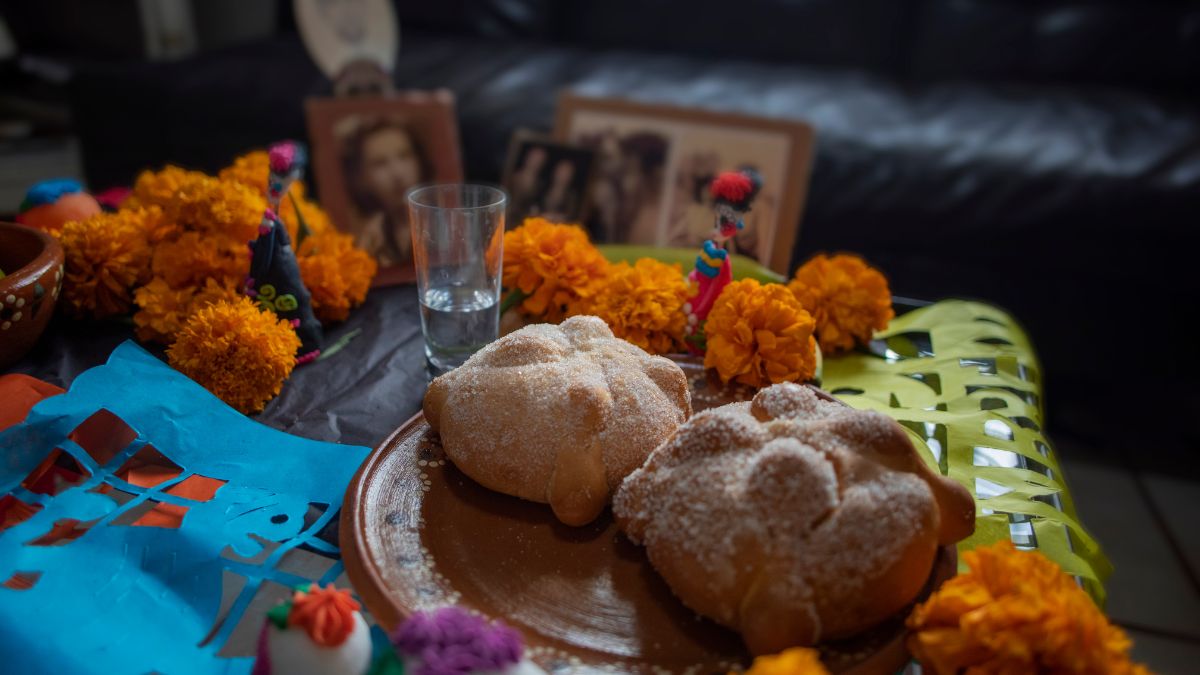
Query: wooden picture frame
(368, 152)
(540, 194)
(656, 157)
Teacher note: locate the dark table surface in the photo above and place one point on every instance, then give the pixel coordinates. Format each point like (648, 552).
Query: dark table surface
(356, 396)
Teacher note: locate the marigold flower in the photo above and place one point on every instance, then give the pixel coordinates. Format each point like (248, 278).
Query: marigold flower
(238, 352)
(106, 257)
(337, 274)
(252, 169)
(327, 286)
(222, 208)
(643, 304)
(794, 661)
(153, 220)
(849, 299)
(555, 266)
(159, 188)
(759, 335)
(194, 257)
(163, 309)
(1015, 612)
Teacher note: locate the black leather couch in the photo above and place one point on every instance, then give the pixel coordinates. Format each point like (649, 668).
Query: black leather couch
(1044, 155)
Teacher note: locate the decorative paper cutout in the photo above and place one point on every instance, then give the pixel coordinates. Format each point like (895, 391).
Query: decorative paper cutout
(963, 378)
(196, 479)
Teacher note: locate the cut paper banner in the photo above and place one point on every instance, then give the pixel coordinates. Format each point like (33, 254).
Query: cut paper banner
(127, 504)
(963, 378)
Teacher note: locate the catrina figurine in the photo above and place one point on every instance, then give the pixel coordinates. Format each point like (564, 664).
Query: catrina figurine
(732, 193)
(274, 281)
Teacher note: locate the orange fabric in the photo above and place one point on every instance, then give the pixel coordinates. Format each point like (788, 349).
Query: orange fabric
(18, 394)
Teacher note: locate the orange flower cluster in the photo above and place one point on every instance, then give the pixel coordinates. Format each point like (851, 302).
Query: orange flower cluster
(106, 257)
(555, 267)
(760, 335)
(643, 304)
(1016, 612)
(238, 352)
(336, 273)
(849, 299)
(794, 661)
(252, 170)
(179, 243)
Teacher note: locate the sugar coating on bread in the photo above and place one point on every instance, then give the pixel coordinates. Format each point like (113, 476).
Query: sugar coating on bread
(792, 519)
(558, 414)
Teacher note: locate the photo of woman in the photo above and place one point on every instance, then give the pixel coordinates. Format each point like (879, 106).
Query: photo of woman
(369, 151)
(382, 160)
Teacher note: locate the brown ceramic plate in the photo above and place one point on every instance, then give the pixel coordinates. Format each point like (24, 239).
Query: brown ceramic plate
(416, 533)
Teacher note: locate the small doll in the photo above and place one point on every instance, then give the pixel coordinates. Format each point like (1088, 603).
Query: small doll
(317, 631)
(274, 281)
(732, 193)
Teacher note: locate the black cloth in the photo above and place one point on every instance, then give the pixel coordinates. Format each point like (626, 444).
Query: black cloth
(356, 396)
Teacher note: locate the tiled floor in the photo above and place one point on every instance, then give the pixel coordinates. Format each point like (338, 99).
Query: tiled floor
(1149, 524)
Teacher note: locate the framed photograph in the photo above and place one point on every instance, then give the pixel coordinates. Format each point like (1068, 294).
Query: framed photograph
(655, 162)
(546, 178)
(368, 152)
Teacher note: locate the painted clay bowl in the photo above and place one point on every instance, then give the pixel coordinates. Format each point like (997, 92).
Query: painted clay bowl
(33, 266)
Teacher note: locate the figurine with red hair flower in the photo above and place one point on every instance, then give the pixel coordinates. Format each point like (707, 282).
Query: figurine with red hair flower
(732, 193)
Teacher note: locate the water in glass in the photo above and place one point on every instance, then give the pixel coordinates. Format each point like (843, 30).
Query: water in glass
(457, 321)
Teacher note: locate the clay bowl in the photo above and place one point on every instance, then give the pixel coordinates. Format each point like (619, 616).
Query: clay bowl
(33, 264)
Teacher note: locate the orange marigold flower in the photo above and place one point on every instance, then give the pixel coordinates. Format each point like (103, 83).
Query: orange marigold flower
(849, 299)
(216, 207)
(107, 255)
(154, 221)
(336, 273)
(252, 169)
(794, 661)
(759, 335)
(1015, 612)
(194, 257)
(159, 188)
(163, 309)
(328, 288)
(238, 352)
(555, 266)
(643, 304)
(326, 614)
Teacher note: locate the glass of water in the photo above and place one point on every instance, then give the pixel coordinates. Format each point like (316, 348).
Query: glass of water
(458, 240)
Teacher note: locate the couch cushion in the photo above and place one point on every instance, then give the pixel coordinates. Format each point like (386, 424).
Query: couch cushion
(859, 33)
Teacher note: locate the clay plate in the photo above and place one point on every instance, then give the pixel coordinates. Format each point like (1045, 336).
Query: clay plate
(416, 533)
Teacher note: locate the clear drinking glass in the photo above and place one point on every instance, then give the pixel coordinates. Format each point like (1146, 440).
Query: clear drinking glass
(458, 241)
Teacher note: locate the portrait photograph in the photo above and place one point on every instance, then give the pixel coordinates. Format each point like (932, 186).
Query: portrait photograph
(654, 165)
(368, 153)
(546, 178)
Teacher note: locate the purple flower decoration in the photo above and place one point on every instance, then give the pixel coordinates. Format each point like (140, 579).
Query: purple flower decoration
(451, 641)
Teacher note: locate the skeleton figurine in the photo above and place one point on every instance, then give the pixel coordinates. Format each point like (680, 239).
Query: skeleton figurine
(732, 193)
(274, 281)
